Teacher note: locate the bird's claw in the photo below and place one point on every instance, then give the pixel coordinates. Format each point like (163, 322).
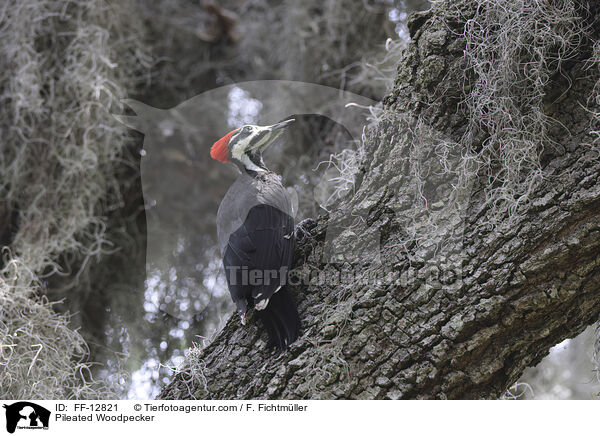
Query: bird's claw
(304, 227)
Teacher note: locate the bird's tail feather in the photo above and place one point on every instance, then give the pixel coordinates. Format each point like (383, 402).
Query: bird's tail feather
(281, 319)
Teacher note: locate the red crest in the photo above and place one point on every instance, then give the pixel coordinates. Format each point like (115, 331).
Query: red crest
(219, 151)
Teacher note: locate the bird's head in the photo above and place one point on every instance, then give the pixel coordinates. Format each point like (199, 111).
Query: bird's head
(243, 146)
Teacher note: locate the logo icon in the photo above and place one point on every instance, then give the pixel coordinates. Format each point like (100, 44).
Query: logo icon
(420, 189)
(26, 415)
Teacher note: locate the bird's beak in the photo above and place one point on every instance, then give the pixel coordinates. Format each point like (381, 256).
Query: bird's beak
(270, 133)
(281, 125)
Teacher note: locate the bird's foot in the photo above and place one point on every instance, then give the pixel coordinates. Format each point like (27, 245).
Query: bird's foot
(262, 304)
(304, 228)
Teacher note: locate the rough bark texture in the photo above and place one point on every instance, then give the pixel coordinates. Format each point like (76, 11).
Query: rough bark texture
(523, 285)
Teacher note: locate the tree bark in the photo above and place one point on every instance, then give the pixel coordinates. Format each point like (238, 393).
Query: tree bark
(518, 287)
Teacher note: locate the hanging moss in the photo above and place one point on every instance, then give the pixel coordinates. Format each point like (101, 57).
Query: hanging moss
(65, 66)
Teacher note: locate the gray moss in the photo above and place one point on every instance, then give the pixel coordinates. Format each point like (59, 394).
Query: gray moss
(65, 65)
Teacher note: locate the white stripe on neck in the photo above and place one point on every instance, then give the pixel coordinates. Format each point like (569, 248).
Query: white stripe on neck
(251, 166)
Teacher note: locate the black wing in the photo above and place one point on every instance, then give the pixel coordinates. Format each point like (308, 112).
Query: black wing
(256, 253)
(257, 258)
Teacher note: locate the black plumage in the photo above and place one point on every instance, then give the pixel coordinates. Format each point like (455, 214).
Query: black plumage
(256, 234)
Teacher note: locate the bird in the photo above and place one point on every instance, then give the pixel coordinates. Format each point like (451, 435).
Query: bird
(255, 232)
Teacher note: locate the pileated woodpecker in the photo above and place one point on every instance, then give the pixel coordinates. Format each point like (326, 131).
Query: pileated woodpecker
(255, 228)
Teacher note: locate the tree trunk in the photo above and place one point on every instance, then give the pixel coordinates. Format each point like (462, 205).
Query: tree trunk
(481, 291)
